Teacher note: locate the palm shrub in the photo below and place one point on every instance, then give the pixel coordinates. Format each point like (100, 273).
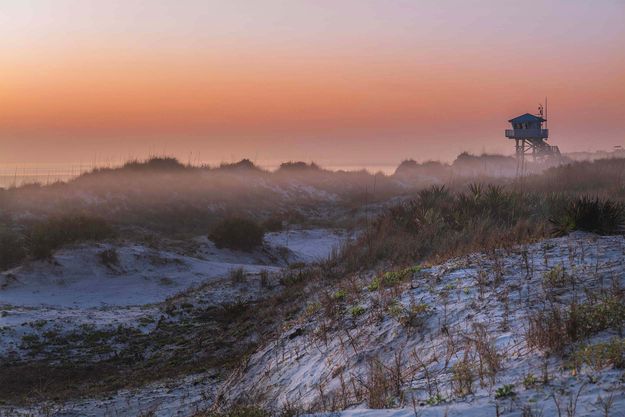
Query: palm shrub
(604, 217)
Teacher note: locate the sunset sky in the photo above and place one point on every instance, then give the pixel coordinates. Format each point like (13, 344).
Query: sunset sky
(336, 81)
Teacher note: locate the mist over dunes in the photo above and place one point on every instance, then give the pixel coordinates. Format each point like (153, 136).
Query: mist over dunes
(358, 208)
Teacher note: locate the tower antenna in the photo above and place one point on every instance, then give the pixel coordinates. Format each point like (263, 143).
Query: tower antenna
(546, 118)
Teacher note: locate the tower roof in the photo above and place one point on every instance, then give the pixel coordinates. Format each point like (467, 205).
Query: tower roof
(526, 118)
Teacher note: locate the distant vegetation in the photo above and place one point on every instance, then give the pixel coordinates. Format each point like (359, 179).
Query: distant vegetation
(298, 166)
(155, 163)
(434, 168)
(242, 165)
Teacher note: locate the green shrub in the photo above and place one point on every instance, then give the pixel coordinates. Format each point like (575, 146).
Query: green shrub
(601, 355)
(587, 319)
(375, 284)
(555, 329)
(393, 278)
(45, 237)
(237, 233)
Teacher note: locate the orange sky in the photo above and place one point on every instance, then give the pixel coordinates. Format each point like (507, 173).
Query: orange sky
(358, 82)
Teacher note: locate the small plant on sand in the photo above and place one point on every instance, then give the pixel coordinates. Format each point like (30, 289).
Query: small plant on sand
(435, 399)
(339, 295)
(462, 378)
(264, 278)
(312, 308)
(378, 385)
(236, 411)
(530, 381)
(556, 277)
(395, 310)
(357, 311)
(415, 315)
(505, 391)
(238, 275)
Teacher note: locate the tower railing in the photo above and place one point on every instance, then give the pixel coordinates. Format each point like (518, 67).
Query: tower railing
(527, 133)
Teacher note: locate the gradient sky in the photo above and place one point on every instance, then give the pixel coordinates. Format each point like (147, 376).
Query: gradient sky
(336, 81)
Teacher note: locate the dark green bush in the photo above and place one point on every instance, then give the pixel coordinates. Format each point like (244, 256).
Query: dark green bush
(273, 224)
(109, 257)
(237, 233)
(11, 249)
(604, 217)
(44, 237)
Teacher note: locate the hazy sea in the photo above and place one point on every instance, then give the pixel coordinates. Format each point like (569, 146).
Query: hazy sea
(16, 174)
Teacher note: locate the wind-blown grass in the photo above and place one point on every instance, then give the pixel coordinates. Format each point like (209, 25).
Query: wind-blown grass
(440, 223)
